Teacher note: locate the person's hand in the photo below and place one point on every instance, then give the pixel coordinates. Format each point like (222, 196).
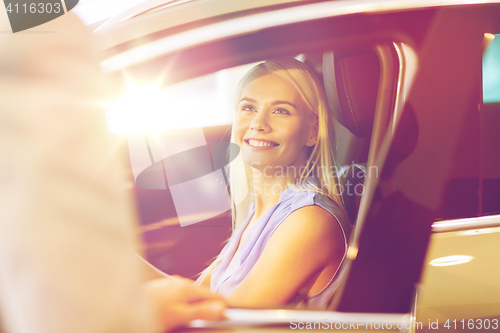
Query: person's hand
(177, 302)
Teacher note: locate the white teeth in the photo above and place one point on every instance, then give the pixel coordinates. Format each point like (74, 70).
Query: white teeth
(257, 143)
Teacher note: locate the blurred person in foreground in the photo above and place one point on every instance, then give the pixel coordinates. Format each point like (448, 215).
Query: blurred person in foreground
(67, 224)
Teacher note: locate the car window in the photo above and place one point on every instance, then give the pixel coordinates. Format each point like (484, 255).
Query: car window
(200, 102)
(474, 185)
(177, 142)
(490, 124)
(178, 137)
(491, 69)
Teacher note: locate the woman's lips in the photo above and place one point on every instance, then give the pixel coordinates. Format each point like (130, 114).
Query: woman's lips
(256, 144)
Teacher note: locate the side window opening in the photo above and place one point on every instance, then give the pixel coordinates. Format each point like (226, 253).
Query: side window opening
(490, 128)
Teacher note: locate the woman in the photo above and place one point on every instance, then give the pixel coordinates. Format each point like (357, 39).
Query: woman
(289, 241)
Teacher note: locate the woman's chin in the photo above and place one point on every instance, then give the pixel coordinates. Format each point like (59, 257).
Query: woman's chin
(268, 170)
(257, 164)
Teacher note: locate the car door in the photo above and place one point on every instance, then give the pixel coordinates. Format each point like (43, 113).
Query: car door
(390, 243)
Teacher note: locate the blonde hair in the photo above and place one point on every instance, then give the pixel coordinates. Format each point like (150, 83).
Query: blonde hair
(320, 162)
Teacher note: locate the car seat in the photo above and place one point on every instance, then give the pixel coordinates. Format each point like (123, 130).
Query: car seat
(351, 80)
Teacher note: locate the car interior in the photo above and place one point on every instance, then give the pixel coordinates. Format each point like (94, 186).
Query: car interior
(355, 81)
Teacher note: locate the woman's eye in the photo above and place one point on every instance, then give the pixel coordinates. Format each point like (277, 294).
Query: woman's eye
(247, 108)
(281, 111)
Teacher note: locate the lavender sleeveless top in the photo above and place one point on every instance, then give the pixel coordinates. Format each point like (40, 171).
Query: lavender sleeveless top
(228, 273)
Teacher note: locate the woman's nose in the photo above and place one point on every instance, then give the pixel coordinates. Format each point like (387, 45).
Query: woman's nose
(260, 123)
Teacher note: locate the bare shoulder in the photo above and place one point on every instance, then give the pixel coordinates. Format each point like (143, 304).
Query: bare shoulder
(314, 226)
(306, 242)
(314, 218)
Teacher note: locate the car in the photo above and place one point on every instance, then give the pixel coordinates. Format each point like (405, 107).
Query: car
(414, 87)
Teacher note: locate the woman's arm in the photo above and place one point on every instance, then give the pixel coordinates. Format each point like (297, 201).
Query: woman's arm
(306, 242)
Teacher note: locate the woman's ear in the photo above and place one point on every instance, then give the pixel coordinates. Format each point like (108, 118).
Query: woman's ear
(313, 138)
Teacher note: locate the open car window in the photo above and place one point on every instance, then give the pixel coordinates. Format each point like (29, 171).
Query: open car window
(204, 101)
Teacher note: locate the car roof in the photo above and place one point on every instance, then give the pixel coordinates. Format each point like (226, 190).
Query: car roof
(153, 16)
(150, 16)
(142, 34)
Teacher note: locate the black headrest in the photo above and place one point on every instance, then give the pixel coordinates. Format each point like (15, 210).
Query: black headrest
(351, 83)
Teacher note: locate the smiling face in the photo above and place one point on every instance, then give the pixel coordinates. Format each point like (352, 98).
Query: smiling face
(273, 124)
